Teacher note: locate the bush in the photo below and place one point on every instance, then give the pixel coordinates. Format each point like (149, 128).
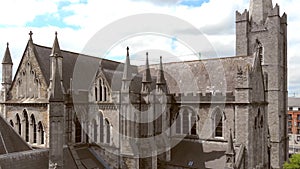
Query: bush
(294, 162)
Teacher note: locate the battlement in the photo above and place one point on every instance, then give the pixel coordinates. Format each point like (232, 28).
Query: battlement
(204, 97)
(275, 11)
(241, 17)
(284, 19)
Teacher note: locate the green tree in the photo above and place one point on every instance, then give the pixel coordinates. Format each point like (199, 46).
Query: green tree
(294, 162)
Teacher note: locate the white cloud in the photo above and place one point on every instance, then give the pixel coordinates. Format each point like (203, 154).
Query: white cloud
(216, 19)
(19, 12)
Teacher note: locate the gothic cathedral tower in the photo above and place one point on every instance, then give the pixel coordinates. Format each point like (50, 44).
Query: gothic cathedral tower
(263, 23)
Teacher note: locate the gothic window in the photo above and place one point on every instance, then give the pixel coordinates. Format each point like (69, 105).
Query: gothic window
(100, 90)
(11, 123)
(193, 124)
(95, 130)
(185, 122)
(96, 94)
(18, 124)
(101, 127)
(107, 126)
(26, 123)
(41, 133)
(33, 126)
(178, 123)
(105, 94)
(218, 123)
(77, 130)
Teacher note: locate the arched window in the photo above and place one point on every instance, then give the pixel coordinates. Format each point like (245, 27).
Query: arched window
(107, 125)
(178, 123)
(11, 123)
(105, 94)
(41, 133)
(18, 124)
(100, 90)
(95, 130)
(96, 94)
(193, 124)
(185, 122)
(218, 121)
(33, 129)
(77, 130)
(26, 121)
(101, 126)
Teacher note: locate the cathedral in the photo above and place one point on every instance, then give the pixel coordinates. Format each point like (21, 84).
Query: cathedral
(56, 115)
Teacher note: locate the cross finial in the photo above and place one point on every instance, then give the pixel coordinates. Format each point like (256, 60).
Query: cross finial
(30, 35)
(127, 51)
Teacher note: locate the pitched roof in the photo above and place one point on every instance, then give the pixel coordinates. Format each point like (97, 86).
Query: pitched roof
(201, 73)
(69, 63)
(294, 102)
(10, 141)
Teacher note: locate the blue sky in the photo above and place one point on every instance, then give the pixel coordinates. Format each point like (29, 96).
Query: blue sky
(78, 20)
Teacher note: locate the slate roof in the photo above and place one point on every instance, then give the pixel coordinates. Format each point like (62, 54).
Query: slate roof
(200, 73)
(191, 154)
(294, 102)
(69, 62)
(10, 141)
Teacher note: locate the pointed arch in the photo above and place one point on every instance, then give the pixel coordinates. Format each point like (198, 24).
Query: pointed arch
(18, 124)
(105, 93)
(107, 127)
(77, 130)
(178, 123)
(185, 122)
(96, 94)
(95, 130)
(26, 124)
(11, 123)
(101, 127)
(218, 123)
(33, 128)
(41, 133)
(100, 90)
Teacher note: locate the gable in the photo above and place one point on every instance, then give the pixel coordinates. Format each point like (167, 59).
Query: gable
(29, 81)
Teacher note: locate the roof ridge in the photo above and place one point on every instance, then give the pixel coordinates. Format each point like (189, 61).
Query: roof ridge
(71, 52)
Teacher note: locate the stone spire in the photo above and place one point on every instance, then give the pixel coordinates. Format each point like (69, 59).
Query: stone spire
(7, 65)
(160, 75)
(147, 80)
(57, 92)
(7, 57)
(55, 48)
(161, 81)
(126, 73)
(56, 120)
(230, 153)
(259, 9)
(56, 53)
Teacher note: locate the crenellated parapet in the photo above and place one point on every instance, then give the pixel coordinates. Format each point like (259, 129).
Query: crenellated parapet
(274, 12)
(240, 17)
(206, 97)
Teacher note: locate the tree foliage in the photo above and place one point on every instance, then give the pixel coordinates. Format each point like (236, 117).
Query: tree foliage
(294, 162)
